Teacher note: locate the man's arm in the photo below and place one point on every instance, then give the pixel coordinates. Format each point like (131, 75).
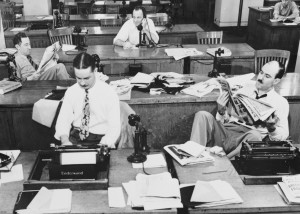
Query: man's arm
(149, 29)
(122, 37)
(222, 101)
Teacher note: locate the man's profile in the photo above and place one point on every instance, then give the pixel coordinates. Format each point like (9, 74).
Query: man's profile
(27, 68)
(228, 132)
(90, 112)
(128, 36)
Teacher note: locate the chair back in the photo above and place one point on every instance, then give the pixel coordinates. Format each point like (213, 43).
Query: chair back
(210, 37)
(267, 55)
(84, 8)
(7, 14)
(111, 22)
(64, 35)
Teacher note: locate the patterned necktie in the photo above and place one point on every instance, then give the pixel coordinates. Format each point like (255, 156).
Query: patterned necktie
(84, 127)
(258, 97)
(32, 62)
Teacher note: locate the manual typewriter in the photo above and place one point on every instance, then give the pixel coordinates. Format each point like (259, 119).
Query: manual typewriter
(78, 162)
(267, 158)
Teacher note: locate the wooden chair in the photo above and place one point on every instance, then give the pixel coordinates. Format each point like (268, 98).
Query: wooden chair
(210, 37)
(267, 55)
(111, 22)
(64, 35)
(7, 14)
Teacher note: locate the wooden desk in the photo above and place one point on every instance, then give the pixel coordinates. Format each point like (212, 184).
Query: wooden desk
(179, 34)
(169, 117)
(92, 201)
(256, 198)
(240, 62)
(270, 35)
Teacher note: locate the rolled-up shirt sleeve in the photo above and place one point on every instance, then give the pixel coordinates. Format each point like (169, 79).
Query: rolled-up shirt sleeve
(123, 33)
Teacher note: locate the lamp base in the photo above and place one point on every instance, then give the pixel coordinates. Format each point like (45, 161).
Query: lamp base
(137, 158)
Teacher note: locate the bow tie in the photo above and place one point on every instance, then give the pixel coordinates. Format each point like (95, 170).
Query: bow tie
(258, 97)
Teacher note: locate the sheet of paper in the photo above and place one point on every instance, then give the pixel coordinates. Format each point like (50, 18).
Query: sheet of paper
(67, 47)
(15, 174)
(116, 197)
(16, 29)
(48, 18)
(290, 23)
(13, 154)
(142, 78)
(153, 161)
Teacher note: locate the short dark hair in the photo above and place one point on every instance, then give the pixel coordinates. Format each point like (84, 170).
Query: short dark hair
(281, 71)
(83, 61)
(18, 38)
(142, 9)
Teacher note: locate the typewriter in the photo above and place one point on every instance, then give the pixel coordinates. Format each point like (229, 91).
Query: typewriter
(267, 158)
(78, 162)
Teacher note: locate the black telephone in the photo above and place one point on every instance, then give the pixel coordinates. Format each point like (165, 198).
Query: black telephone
(6, 58)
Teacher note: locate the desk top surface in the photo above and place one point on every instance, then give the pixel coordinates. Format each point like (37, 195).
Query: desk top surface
(107, 31)
(257, 198)
(270, 24)
(78, 17)
(32, 91)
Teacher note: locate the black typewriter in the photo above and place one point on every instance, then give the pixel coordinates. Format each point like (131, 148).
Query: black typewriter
(78, 162)
(267, 158)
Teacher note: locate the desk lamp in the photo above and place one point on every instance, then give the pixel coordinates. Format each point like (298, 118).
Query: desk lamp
(7, 59)
(140, 140)
(214, 72)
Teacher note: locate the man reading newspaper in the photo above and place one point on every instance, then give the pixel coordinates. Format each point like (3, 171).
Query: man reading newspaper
(228, 130)
(27, 69)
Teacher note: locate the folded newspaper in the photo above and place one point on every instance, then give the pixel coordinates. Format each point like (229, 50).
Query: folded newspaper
(245, 106)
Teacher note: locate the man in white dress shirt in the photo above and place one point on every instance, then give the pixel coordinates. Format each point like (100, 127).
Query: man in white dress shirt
(128, 36)
(90, 111)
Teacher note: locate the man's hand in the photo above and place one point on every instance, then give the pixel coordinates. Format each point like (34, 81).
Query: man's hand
(34, 76)
(127, 45)
(271, 122)
(222, 102)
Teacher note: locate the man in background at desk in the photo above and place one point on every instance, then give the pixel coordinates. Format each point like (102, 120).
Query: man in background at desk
(128, 36)
(286, 9)
(26, 67)
(90, 112)
(228, 132)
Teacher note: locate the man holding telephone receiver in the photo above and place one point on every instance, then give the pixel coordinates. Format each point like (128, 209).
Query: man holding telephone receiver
(128, 36)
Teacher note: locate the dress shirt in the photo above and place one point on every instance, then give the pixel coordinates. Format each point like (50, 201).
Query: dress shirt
(291, 8)
(129, 32)
(24, 67)
(104, 112)
(281, 111)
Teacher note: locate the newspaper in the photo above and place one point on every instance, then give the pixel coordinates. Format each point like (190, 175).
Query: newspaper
(247, 108)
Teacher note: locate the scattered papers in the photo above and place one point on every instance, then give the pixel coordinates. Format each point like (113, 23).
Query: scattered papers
(240, 80)
(67, 47)
(123, 88)
(214, 193)
(184, 158)
(116, 197)
(50, 201)
(192, 148)
(158, 191)
(179, 53)
(17, 29)
(153, 161)
(274, 20)
(167, 74)
(202, 88)
(13, 154)
(142, 78)
(212, 51)
(15, 174)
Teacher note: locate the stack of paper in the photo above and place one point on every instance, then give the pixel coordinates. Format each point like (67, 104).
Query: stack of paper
(153, 161)
(141, 80)
(210, 193)
(189, 153)
(123, 88)
(289, 189)
(202, 88)
(158, 191)
(50, 201)
(179, 53)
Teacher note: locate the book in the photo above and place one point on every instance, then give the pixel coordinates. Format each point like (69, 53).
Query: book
(13, 155)
(293, 183)
(7, 86)
(286, 193)
(189, 153)
(249, 110)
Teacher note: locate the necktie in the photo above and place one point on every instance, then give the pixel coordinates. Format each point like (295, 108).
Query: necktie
(258, 97)
(84, 127)
(32, 62)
